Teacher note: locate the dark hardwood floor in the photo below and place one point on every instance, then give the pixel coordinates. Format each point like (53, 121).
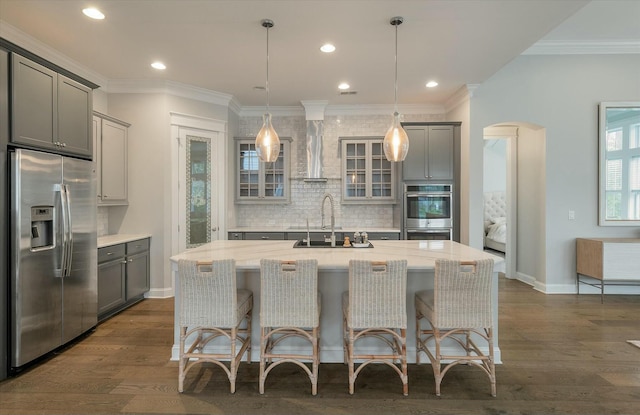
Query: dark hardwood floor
(562, 354)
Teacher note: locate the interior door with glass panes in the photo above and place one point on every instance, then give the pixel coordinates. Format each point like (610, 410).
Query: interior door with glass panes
(198, 187)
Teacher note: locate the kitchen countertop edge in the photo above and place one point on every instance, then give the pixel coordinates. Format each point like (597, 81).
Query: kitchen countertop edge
(110, 240)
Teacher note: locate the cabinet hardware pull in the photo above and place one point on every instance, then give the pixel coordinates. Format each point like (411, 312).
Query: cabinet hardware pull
(109, 253)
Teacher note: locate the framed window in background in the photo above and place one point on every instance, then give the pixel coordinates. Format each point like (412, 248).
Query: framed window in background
(619, 190)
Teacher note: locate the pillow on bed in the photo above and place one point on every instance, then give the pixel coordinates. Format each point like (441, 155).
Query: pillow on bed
(499, 220)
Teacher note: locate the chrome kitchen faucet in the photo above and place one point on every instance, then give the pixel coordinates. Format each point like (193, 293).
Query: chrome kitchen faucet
(333, 219)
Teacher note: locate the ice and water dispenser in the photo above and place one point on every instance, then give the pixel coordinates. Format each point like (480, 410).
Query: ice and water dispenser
(42, 227)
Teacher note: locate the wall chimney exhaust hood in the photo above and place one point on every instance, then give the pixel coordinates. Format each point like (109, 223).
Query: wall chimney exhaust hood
(314, 112)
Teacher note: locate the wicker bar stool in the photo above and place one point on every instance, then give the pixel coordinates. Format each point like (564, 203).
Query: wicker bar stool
(459, 306)
(213, 308)
(289, 308)
(376, 307)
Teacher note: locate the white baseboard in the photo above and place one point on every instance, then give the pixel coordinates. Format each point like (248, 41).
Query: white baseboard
(159, 293)
(618, 289)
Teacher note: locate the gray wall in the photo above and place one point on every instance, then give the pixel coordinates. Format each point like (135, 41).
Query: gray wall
(561, 95)
(495, 165)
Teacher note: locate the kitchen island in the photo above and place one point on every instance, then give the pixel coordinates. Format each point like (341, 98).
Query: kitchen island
(333, 279)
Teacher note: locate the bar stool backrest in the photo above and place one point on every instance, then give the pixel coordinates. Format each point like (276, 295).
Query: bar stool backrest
(462, 294)
(377, 294)
(289, 293)
(208, 294)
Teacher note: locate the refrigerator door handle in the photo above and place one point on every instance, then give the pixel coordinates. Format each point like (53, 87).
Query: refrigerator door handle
(69, 230)
(65, 225)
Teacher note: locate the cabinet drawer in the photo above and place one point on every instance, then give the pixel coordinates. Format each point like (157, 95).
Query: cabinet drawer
(384, 236)
(277, 236)
(140, 245)
(109, 253)
(235, 236)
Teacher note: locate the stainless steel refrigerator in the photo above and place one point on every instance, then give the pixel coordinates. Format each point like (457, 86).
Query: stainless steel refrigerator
(53, 255)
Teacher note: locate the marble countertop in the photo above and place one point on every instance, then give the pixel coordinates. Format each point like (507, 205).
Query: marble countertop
(109, 240)
(419, 254)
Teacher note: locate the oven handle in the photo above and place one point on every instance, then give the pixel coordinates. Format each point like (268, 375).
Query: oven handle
(432, 230)
(428, 194)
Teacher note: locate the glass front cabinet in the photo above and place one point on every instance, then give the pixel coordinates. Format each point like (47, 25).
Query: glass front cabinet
(367, 176)
(260, 182)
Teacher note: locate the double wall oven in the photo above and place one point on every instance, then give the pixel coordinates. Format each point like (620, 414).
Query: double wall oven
(428, 211)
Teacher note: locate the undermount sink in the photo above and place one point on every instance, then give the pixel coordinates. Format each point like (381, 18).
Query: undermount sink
(312, 228)
(321, 244)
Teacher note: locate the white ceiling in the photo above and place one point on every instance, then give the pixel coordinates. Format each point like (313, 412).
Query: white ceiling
(220, 45)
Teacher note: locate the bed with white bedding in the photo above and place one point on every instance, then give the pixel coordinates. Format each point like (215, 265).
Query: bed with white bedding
(495, 221)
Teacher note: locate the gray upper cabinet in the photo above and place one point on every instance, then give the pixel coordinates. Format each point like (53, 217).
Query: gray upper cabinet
(49, 110)
(260, 182)
(111, 149)
(430, 154)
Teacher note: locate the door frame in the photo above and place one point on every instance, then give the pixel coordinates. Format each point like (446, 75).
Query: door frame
(181, 123)
(510, 134)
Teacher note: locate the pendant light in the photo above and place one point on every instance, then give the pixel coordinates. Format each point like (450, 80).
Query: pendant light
(267, 141)
(396, 142)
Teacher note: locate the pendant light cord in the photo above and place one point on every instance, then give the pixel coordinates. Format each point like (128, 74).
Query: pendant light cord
(267, 83)
(395, 98)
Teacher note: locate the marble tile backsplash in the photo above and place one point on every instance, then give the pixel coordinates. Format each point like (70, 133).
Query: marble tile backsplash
(306, 197)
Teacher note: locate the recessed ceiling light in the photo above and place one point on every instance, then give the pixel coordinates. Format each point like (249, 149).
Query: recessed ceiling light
(158, 65)
(344, 85)
(327, 48)
(93, 13)
(431, 84)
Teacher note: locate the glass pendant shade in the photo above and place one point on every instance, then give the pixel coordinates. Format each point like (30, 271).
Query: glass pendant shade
(267, 141)
(396, 142)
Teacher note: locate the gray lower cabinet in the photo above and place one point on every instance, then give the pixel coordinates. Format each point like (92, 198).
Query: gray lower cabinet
(276, 236)
(314, 235)
(383, 236)
(123, 276)
(111, 278)
(137, 269)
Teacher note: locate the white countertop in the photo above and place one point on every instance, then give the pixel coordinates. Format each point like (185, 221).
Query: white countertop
(419, 254)
(109, 240)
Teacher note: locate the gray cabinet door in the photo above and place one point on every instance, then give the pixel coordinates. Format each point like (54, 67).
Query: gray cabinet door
(137, 274)
(33, 103)
(440, 152)
(414, 166)
(74, 117)
(111, 279)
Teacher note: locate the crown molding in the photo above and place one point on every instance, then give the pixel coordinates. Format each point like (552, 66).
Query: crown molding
(31, 44)
(259, 111)
(464, 94)
(148, 86)
(562, 47)
(384, 109)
